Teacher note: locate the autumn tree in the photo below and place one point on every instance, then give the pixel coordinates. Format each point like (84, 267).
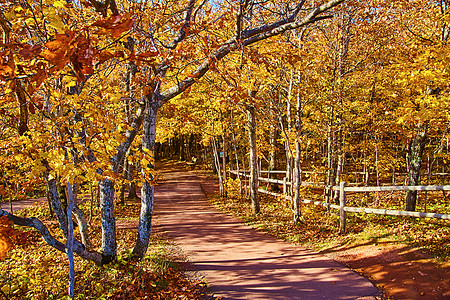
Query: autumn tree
(419, 81)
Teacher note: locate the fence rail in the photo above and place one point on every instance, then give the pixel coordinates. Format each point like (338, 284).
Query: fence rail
(393, 188)
(284, 182)
(343, 208)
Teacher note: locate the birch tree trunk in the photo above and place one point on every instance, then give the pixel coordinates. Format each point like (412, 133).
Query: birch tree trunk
(233, 136)
(82, 225)
(273, 137)
(331, 175)
(55, 200)
(147, 191)
(53, 194)
(297, 164)
(109, 243)
(251, 124)
(217, 165)
(289, 156)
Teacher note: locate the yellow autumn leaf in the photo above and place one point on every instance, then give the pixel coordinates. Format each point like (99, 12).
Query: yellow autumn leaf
(56, 23)
(59, 4)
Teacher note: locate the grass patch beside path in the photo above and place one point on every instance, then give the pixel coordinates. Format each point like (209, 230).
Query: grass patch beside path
(37, 271)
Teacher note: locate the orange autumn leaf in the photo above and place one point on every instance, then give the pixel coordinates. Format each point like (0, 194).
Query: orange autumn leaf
(6, 237)
(116, 25)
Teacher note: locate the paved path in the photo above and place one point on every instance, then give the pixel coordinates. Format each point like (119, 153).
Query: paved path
(241, 263)
(18, 205)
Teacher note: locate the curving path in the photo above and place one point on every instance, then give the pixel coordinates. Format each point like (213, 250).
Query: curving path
(241, 263)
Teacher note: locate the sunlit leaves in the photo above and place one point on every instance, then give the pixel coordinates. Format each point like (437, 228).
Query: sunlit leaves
(115, 25)
(9, 237)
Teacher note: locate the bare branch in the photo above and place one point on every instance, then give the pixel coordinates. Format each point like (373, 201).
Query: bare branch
(264, 28)
(187, 23)
(242, 5)
(270, 30)
(197, 9)
(248, 38)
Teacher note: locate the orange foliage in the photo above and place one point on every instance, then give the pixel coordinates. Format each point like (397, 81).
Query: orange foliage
(9, 237)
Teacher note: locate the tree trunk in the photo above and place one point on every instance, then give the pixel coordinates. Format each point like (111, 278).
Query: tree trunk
(79, 215)
(253, 158)
(273, 137)
(82, 226)
(79, 248)
(122, 182)
(147, 191)
(224, 165)
(297, 166)
(289, 156)
(56, 204)
(182, 148)
(233, 135)
(23, 109)
(217, 165)
(414, 160)
(109, 244)
(70, 239)
(331, 178)
(132, 191)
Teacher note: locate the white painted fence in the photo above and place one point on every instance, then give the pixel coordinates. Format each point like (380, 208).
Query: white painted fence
(343, 189)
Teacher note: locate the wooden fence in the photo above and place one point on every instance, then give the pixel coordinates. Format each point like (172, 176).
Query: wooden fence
(343, 208)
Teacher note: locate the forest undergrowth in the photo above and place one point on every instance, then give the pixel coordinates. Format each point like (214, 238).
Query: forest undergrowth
(37, 271)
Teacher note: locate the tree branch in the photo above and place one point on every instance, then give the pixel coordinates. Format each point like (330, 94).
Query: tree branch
(187, 23)
(265, 28)
(250, 37)
(197, 9)
(239, 17)
(130, 135)
(35, 223)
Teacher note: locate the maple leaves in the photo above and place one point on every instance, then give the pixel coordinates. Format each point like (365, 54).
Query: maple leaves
(74, 48)
(77, 48)
(6, 236)
(30, 51)
(9, 237)
(6, 66)
(115, 25)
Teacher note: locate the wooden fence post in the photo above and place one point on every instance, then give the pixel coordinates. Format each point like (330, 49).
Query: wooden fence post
(342, 212)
